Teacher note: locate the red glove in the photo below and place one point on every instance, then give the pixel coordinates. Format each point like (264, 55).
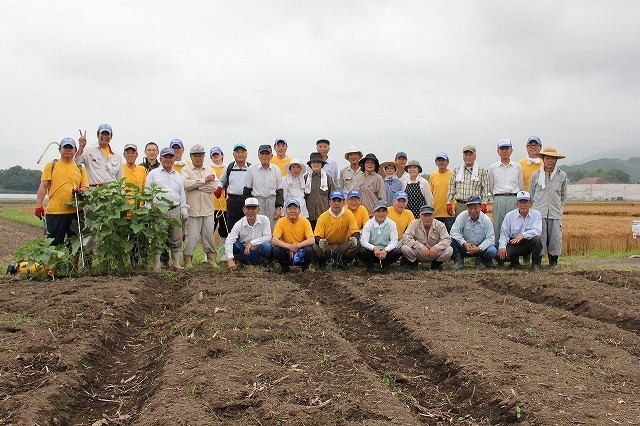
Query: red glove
(39, 212)
(449, 209)
(483, 207)
(218, 192)
(76, 191)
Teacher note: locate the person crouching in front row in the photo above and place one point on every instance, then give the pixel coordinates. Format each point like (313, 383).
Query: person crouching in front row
(249, 241)
(379, 240)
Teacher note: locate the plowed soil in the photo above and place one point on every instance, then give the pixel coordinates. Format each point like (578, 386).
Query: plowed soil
(257, 348)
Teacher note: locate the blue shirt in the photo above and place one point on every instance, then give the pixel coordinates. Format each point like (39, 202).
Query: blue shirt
(514, 224)
(479, 233)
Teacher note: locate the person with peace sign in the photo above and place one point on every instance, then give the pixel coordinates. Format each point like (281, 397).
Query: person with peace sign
(103, 165)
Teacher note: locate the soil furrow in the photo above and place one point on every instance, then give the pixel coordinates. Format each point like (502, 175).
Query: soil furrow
(426, 382)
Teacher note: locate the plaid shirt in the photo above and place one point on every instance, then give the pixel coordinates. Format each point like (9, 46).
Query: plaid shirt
(467, 188)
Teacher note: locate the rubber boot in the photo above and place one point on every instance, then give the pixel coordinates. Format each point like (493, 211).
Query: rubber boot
(436, 265)
(458, 262)
(553, 262)
(157, 264)
(188, 261)
(535, 263)
(515, 262)
(526, 259)
(175, 257)
(223, 255)
(211, 259)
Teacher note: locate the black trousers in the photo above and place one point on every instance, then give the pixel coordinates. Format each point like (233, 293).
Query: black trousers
(220, 223)
(60, 226)
(234, 210)
(525, 247)
(281, 256)
(369, 258)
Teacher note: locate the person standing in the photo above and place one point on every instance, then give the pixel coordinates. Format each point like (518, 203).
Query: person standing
(219, 202)
(330, 166)
(199, 185)
(426, 239)
(294, 184)
(318, 186)
(150, 161)
(178, 149)
(62, 180)
(171, 182)
(133, 173)
(281, 159)
(505, 180)
(391, 182)
(102, 164)
(264, 182)
(370, 183)
(417, 188)
(549, 192)
(472, 236)
(379, 240)
(249, 240)
(467, 180)
(232, 182)
(439, 181)
(532, 161)
(401, 161)
(293, 239)
(349, 174)
(520, 233)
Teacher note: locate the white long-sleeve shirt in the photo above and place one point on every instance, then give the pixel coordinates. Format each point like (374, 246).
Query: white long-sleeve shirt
(257, 234)
(372, 226)
(171, 182)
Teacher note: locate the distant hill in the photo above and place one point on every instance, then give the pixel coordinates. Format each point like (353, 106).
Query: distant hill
(630, 166)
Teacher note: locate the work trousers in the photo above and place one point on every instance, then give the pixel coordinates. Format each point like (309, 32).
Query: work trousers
(551, 236)
(413, 254)
(196, 227)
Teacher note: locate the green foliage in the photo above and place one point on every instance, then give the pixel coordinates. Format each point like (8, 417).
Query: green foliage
(47, 259)
(611, 175)
(17, 179)
(128, 225)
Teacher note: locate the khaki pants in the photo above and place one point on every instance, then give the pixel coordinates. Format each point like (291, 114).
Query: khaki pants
(340, 252)
(196, 227)
(413, 254)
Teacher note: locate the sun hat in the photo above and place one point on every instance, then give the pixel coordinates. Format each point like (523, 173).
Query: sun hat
(315, 157)
(352, 149)
(413, 163)
(551, 152)
(369, 156)
(287, 168)
(384, 165)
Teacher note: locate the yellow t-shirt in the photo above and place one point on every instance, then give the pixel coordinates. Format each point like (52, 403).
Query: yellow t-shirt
(440, 188)
(361, 215)
(290, 232)
(336, 229)
(402, 220)
(137, 176)
(180, 164)
(106, 151)
(281, 163)
(527, 171)
(66, 176)
(219, 203)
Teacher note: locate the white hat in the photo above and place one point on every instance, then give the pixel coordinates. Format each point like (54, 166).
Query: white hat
(250, 202)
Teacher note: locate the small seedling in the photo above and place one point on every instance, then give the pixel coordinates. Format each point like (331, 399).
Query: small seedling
(518, 412)
(530, 331)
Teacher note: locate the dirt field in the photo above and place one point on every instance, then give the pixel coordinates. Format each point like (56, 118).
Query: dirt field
(254, 348)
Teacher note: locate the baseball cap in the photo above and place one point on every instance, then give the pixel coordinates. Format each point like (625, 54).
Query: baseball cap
(523, 196)
(197, 149)
(131, 146)
(249, 202)
(504, 143)
(215, 150)
(426, 209)
(336, 194)
(474, 199)
(280, 140)
(167, 151)
(263, 148)
(354, 193)
(534, 139)
(442, 155)
(401, 154)
(469, 148)
(176, 142)
(400, 194)
(239, 146)
(292, 201)
(105, 128)
(380, 204)
(319, 141)
(67, 142)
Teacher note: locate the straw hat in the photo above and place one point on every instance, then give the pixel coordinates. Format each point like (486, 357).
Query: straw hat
(388, 163)
(551, 152)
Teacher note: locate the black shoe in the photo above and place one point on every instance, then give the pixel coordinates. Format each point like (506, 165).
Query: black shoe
(403, 261)
(285, 269)
(305, 268)
(500, 263)
(413, 265)
(515, 264)
(526, 259)
(385, 270)
(369, 268)
(553, 262)
(436, 265)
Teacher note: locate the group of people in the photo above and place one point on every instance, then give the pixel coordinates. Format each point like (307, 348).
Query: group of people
(297, 212)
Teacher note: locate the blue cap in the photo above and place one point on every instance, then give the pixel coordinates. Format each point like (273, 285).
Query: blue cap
(105, 128)
(336, 194)
(67, 142)
(239, 146)
(442, 155)
(354, 193)
(534, 139)
(263, 148)
(474, 199)
(215, 150)
(167, 151)
(292, 201)
(401, 194)
(401, 154)
(176, 142)
(280, 140)
(502, 143)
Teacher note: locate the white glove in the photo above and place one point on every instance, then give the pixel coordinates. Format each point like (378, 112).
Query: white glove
(323, 244)
(353, 242)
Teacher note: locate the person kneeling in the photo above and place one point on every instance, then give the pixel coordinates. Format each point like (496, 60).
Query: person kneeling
(293, 239)
(520, 233)
(337, 234)
(250, 238)
(426, 239)
(379, 240)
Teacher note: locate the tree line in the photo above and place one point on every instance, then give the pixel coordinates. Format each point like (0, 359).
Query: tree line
(16, 179)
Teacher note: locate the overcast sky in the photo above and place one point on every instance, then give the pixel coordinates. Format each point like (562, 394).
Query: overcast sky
(384, 76)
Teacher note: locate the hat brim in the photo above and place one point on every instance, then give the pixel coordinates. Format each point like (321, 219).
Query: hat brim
(316, 161)
(346, 155)
(406, 168)
(287, 168)
(552, 154)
